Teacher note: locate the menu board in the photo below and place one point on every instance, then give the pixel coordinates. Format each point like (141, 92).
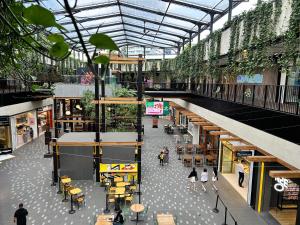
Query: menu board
(291, 192)
(117, 168)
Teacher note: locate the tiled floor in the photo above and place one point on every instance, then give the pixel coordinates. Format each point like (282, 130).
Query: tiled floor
(27, 178)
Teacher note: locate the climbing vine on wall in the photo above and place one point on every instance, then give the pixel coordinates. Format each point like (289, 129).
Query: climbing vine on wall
(252, 34)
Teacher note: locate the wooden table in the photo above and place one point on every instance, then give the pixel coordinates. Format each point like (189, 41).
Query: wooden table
(105, 219)
(66, 180)
(75, 191)
(118, 179)
(122, 184)
(103, 222)
(137, 208)
(165, 219)
(72, 192)
(188, 157)
(120, 191)
(198, 157)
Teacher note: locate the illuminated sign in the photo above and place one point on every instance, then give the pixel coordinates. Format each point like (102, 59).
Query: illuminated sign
(121, 167)
(157, 108)
(281, 184)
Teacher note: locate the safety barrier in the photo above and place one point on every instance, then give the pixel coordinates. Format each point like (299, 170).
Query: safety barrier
(228, 217)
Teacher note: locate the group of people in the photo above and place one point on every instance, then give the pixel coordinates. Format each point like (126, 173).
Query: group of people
(163, 156)
(193, 177)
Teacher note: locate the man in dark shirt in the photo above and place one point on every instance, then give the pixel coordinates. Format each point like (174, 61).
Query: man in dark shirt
(20, 215)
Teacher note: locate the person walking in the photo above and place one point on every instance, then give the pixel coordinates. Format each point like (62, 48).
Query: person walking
(241, 171)
(193, 178)
(166, 157)
(20, 215)
(161, 157)
(204, 178)
(215, 178)
(118, 220)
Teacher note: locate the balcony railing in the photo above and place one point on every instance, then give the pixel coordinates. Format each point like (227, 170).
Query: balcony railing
(8, 86)
(274, 97)
(282, 98)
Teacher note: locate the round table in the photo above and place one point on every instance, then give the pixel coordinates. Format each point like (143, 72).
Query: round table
(137, 208)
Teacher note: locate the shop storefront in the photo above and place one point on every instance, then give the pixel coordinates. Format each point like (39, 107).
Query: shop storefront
(231, 162)
(5, 135)
(44, 119)
(23, 128)
(280, 196)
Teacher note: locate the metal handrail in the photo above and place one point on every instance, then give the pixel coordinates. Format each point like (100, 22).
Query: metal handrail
(282, 98)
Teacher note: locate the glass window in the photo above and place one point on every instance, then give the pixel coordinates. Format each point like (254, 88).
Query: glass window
(227, 160)
(5, 137)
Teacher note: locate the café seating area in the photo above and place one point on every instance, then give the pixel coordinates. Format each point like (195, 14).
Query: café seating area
(118, 191)
(69, 191)
(195, 155)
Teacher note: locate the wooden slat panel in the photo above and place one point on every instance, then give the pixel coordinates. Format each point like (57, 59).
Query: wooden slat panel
(121, 58)
(193, 116)
(218, 133)
(75, 143)
(117, 102)
(244, 147)
(198, 120)
(121, 143)
(285, 173)
(210, 128)
(204, 123)
(119, 99)
(230, 139)
(265, 158)
(67, 97)
(123, 62)
(75, 121)
(134, 143)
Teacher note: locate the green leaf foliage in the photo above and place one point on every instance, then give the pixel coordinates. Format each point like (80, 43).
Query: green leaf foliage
(59, 49)
(55, 38)
(103, 41)
(101, 59)
(38, 15)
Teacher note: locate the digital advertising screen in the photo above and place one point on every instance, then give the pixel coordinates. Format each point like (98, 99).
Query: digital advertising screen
(157, 108)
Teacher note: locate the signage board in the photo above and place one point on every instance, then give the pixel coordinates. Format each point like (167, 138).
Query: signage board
(157, 108)
(118, 167)
(250, 79)
(244, 153)
(4, 120)
(281, 184)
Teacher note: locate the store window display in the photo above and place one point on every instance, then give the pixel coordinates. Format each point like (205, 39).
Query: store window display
(5, 139)
(236, 169)
(25, 128)
(284, 202)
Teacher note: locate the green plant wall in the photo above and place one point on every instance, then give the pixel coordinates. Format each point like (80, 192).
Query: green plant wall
(251, 35)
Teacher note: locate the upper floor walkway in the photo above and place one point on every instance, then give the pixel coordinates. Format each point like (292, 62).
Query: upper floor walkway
(273, 109)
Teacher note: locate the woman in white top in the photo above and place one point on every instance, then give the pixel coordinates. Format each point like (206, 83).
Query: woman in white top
(204, 178)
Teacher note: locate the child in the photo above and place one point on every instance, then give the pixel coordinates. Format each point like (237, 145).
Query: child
(161, 157)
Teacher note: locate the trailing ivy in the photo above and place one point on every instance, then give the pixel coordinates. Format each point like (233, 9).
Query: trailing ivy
(247, 55)
(291, 38)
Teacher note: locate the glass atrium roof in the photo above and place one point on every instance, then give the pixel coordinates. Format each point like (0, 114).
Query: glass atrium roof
(150, 23)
